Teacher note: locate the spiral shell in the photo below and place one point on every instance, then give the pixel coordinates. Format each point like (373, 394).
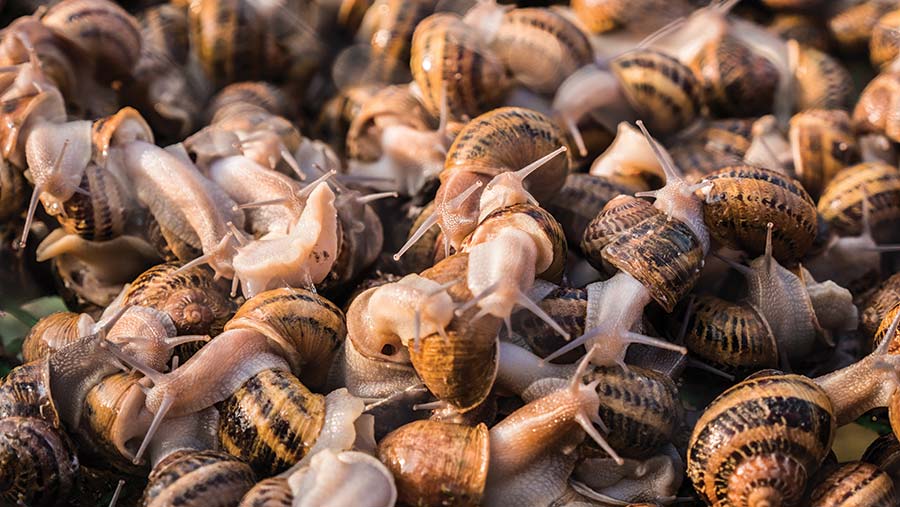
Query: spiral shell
(195, 302)
(580, 199)
(388, 28)
(884, 452)
(257, 93)
(109, 408)
(618, 216)
(392, 105)
(841, 204)
(54, 332)
(100, 214)
(447, 58)
(855, 484)
(567, 306)
(803, 28)
(662, 90)
(195, 478)
(852, 27)
(731, 337)
(821, 81)
(271, 421)
(883, 327)
(823, 143)
(37, 463)
(271, 492)
(25, 392)
(103, 31)
(436, 463)
(641, 408)
(760, 441)
(743, 200)
(307, 327)
(883, 46)
(877, 305)
(736, 81)
(600, 16)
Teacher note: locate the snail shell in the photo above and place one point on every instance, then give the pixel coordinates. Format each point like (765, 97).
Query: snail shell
(841, 204)
(437, 463)
(567, 306)
(823, 143)
(821, 81)
(580, 199)
(100, 214)
(743, 200)
(392, 105)
(257, 93)
(195, 478)
(109, 428)
(884, 452)
(271, 492)
(271, 421)
(641, 408)
(103, 31)
(760, 441)
(540, 47)
(731, 337)
(878, 304)
(37, 463)
(196, 303)
(883, 47)
(307, 328)
(736, 81)
(25, 392)
(852, 26)
(618, 216)
(387, 28)
(54, 332)
(884, 326)
(600, 16)
(447, 58)
(662, 90)
(855, 484)
(876, 108)
(803, 28)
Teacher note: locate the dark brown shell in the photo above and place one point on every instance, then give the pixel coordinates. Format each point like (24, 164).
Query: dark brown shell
(430, 247)
(641, 408)
(744, 199)
(271, 492)
(731, 337)
(25, 392)
(736, 81)
(803, 28)
(271, 421)
(823, 143)
(198, 478)
(662, 90)
(877, 108)
(884, 452)
(54, 332)
(618, 216)
(768, 430)
(540, 47)
(567, 306)
(102, 213)
(855, 484)
(663, 254)
(841, 202)
(436, 463)
(164, 30)
(447, 57)
(38, 465)
(580, 199)
(883, 46)
(307, 327)
(104, 32)
(195, 302)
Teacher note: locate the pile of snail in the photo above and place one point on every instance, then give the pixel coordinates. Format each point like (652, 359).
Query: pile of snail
(450, 253)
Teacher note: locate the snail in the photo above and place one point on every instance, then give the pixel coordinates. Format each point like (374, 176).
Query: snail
(883, 42)
(579, 200)
(855, 483)
(873, 109)
(877, 304)
(736, 455)
(853, 24)
(841, 203)
(882, 452)
(600, 16)
(823, 144)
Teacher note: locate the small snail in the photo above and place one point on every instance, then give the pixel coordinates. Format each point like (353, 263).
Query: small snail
(841, 203)
(855, 483)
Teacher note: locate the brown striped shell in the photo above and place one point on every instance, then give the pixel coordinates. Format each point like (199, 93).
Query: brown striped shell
(876, 305)
(101, 30)
(580, 199)
(108, 431)
(876, 109)
(504, 139)
(38, 465)
(447, 58)
(660, 252)
(760, 441)
(196, 303)
(743, 200)
(640, 406)
(430, 247)
(230, 40)
(618, 216)
(883, 46)
(25, 392)
(307, 328)
(258, 93)
(387, 29)
(823, 143)
(437, 463)
(841, 204)
(271, 492)
(883, 327)
(821, 81)
(540, 47)
(392, 105)
(461, 369)
(884, 452)
(54, 332)
(194, 478)
(271, 421)
(567, 306)
(664, 92)
(100, 214)
(600, 16)
(855, 484)
(801, 27)
(732, 337)
(164, 30)
(736, 81)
